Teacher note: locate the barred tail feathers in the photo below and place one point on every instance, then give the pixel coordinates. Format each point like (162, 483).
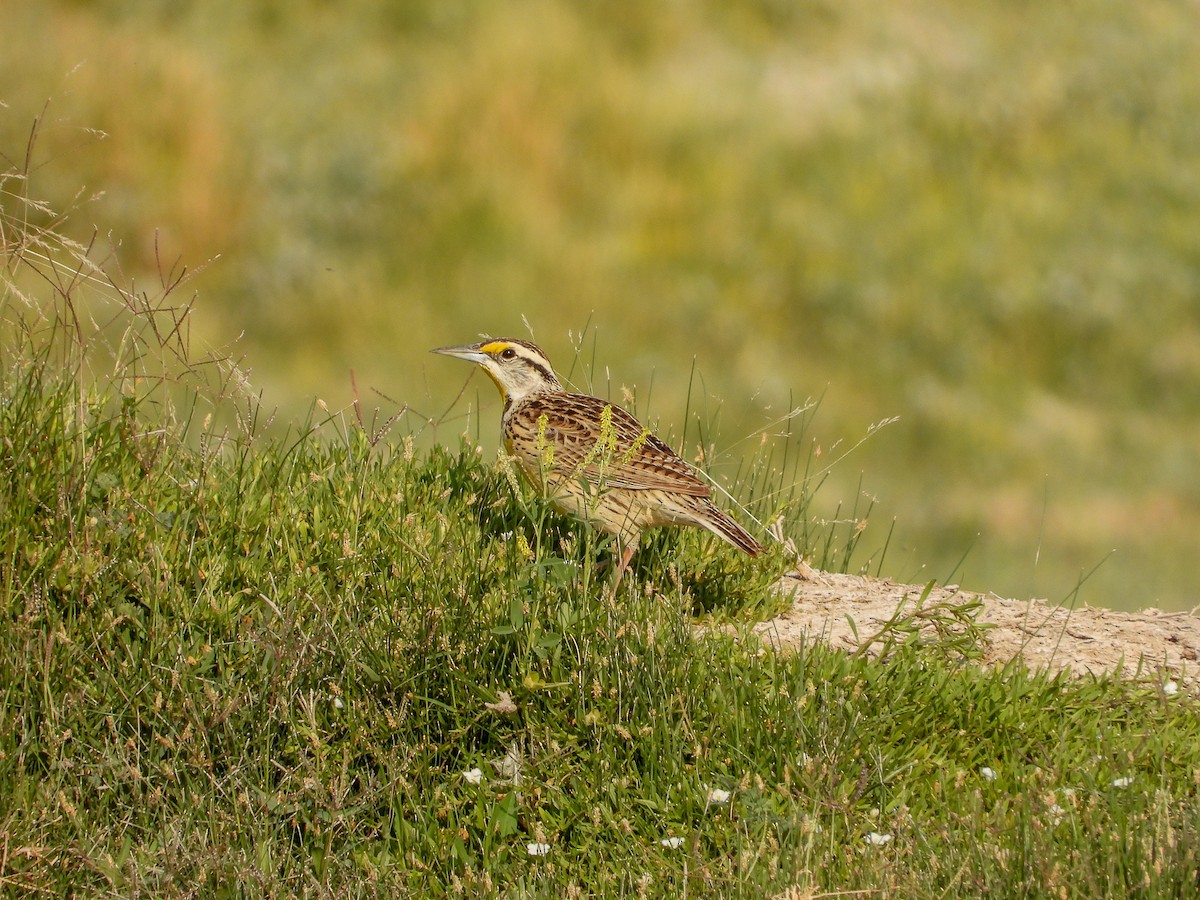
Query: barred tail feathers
(723, 526)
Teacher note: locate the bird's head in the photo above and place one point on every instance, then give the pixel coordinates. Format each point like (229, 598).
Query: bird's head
(519, 368)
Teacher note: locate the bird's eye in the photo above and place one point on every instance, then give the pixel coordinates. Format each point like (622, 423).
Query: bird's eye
(508, 353)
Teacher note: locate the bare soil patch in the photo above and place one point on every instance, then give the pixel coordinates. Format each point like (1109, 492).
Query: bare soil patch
(1158, 645)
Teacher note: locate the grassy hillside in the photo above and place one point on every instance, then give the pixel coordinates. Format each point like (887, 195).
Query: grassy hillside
(238, 659)
(978, 217)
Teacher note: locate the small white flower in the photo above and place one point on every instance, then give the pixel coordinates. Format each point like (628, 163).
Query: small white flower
(875, 839)
(1056, 812)
(537, 849)
(718, 795)
(988, 772)
(473, 776)
(672, 843)
(1122, 782)
(337, 703)
(1171, 688)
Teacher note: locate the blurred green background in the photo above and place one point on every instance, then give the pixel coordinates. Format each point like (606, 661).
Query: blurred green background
(982, 217)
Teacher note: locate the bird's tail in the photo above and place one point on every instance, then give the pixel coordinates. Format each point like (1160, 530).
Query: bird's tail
(722, 525)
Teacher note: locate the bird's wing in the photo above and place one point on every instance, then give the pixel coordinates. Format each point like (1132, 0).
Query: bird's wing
(565, 433)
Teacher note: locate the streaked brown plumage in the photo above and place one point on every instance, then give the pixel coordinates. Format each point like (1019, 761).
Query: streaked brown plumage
(593, 459)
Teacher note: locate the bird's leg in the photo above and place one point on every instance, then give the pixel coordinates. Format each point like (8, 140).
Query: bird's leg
(626, 555)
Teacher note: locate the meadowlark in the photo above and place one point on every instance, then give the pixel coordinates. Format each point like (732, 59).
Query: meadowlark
(591, 458)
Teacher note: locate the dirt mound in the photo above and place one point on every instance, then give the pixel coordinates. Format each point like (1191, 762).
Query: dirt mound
(850, 611)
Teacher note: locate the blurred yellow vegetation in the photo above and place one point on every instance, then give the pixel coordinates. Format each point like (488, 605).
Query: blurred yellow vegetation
(979, 217)
(131, 114)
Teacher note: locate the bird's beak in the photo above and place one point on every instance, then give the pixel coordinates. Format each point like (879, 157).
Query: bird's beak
(469, 352)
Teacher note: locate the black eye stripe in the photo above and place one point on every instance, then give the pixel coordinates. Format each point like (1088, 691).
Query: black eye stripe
(509, 353)
(513, 352)
(545, 373)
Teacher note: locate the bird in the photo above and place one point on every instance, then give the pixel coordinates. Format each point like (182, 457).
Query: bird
(592, 459)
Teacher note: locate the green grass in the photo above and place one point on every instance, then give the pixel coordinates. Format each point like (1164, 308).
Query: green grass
(243, 661)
